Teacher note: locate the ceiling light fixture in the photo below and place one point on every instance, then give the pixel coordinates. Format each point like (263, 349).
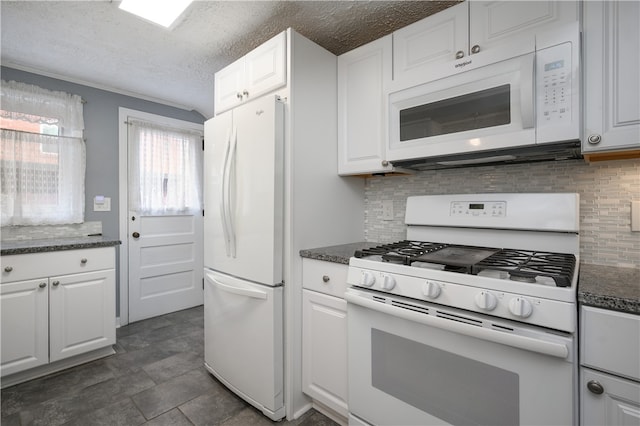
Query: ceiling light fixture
(162, 12)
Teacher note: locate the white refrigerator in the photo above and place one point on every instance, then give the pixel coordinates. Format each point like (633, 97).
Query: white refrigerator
(243, 252)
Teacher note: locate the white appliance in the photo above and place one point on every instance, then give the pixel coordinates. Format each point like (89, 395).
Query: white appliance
(472, 319)
(520, 107)
(243, 247)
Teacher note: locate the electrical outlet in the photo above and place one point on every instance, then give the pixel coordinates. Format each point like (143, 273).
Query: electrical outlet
(635, 216)
(387, 210)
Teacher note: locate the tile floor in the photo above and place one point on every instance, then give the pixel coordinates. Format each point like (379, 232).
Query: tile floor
(156, 377)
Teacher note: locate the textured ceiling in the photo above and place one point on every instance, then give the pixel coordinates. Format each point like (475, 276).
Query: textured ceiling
(95, 43)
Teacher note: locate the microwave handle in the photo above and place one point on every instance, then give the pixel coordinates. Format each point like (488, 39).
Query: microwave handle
(527, 91)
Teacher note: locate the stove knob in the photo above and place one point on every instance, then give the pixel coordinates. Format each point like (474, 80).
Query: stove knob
(486, 300)
(520, 307)
(388, 282)
(367, 279)
(431, 289)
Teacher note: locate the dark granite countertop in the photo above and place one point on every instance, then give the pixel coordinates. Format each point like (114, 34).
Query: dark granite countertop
(610, 287)
(55, 244)
(336, 254)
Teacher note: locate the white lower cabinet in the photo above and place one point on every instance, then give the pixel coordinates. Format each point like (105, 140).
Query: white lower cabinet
(608, 400)
(610, 370)
(58, 316)
(324, 334)
(24, 308)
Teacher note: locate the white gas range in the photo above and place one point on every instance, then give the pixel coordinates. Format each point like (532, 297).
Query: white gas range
(483, 283)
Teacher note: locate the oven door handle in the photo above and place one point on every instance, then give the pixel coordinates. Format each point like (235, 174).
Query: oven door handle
(522, 342)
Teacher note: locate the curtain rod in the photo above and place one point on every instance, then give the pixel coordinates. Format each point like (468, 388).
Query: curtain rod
(43, 134)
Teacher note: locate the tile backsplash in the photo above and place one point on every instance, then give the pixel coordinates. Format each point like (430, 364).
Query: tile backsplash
(22, 233)
(606, 190)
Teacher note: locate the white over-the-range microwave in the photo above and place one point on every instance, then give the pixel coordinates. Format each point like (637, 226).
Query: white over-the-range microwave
(522, 107)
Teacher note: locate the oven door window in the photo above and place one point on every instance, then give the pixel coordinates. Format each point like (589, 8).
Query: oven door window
(400, 367)
(477, 110)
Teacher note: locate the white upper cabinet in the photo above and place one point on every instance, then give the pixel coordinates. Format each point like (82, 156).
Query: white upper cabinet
(363, 77)
(492, 30)
(612, 87)
(422, 50)
(260, 71)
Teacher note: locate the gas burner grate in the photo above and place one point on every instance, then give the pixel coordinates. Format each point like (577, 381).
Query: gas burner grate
(403, 252)
(529, 264)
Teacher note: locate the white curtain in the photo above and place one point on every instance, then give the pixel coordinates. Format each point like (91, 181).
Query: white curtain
(42, 174)
(31, 103)
(165, 169)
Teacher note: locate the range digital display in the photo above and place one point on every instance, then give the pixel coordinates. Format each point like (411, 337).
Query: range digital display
(476, 206)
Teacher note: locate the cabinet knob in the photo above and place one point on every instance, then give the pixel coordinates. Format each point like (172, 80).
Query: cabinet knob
(239, 95)
(55, 283)
(83, 260)
(8, 268)
(245, 93)
(595, 387)
(325, 278)
(136, 235)
(459, 54)
(42, 285)
(385, 163)
(594, 139)
(475, 49)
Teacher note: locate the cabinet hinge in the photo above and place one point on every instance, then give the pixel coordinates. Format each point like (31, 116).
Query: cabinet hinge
(203, 144)
(203, 283)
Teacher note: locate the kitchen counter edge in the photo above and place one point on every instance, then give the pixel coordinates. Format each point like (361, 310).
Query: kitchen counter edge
(337, 254)
(610, 287)
(9, 248)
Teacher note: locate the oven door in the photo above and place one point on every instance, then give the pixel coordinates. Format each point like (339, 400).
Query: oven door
(487, 108)
(412, 363)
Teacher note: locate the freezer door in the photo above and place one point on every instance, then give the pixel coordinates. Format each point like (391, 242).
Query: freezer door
(244, 339)
(243, 191)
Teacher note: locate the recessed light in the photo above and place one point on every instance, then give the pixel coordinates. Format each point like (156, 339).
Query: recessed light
(162, 12)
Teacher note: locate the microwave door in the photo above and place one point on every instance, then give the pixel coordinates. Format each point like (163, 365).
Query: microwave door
(488, 108)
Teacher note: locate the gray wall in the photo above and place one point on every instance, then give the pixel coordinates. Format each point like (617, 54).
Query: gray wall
(101, 133)
(606, 190)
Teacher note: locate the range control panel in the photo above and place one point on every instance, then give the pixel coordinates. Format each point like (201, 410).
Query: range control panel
(479, 208)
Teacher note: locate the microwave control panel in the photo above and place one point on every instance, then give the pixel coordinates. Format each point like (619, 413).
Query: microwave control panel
(554, 83)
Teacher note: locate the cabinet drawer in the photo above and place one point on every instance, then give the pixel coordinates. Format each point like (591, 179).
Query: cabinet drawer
(611, 341)
(324, 277)
(20, 267)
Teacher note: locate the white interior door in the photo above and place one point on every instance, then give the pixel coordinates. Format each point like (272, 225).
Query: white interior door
(165, 259)
(165, 264)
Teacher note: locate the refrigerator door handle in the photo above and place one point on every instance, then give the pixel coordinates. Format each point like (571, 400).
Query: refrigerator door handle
(231, 184)
(256, 294)
(223, 194)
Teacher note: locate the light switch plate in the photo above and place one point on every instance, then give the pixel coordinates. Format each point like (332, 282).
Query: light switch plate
(101, 204)
(635, 216)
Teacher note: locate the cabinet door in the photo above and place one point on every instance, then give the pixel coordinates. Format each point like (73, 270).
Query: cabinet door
(427, 49)
(25, 319)
(82, 313)
(617, 404)
(266, 67)
(324, 349)
(493, 24)
(229, 84)
(611, 66)
(363, 75)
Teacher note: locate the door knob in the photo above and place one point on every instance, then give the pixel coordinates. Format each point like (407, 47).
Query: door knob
(136, 235)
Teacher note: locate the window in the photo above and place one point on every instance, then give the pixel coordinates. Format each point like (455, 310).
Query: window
(164, 169)
(42, 156)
